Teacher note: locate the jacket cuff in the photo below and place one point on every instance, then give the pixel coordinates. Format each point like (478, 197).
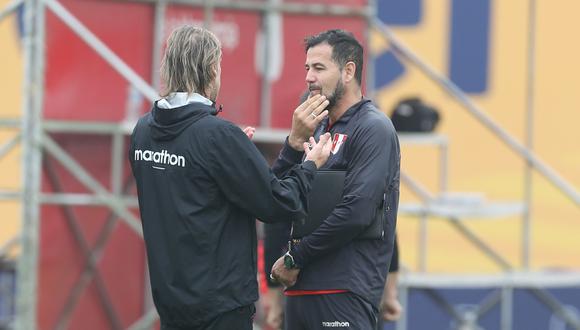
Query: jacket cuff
(298, 254)
(290, 154)
(310, 166)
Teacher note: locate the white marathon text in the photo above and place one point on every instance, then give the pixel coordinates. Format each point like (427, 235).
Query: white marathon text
(162, 157)
(336, 324)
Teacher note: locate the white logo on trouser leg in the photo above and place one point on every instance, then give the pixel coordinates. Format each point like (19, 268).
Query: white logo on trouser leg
(335, 324)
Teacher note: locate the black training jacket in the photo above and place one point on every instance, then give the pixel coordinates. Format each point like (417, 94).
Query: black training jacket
(365, 144)
(201, 184)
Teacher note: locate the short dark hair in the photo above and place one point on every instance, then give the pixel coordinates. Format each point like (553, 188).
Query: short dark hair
(345, 48)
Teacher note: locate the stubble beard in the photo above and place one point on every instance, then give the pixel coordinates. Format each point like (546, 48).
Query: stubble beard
(336, 95)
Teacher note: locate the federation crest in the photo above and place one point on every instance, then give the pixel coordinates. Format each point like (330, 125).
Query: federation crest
(337, 142)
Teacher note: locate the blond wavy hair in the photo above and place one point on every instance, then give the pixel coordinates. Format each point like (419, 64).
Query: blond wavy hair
(190, 60)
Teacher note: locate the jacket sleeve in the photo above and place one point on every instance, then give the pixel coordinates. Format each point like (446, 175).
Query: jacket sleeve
(394, 266)
(369, 154)
(286, 160)
(246, 179)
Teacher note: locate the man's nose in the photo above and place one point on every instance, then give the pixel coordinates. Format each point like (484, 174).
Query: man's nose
(310, 78)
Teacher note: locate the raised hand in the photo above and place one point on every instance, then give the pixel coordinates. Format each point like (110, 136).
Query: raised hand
(249, 131)
(318, 152)
(305, 119)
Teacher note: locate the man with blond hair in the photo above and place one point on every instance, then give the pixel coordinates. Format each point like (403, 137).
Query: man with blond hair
(201, 184)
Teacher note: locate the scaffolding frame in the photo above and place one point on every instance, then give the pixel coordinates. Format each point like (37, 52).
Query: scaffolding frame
(502, 286)
(32, 132)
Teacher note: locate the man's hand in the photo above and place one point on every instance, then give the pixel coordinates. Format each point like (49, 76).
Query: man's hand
(391, 309)
(249, 131)
(305, 119)
(284, 276)
(318, 152)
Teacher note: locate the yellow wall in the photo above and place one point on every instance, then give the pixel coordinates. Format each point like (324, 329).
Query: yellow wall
(10, 90)
(479, 162)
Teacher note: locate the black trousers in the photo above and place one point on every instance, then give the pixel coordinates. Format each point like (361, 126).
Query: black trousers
(329, 312)
(240, 318)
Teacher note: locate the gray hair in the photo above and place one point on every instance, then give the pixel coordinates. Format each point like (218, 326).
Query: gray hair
(189, 60)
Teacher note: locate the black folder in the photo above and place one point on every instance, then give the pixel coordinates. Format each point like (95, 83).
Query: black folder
(325, 194)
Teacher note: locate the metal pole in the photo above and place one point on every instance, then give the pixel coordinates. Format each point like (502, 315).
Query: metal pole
(404, 299)
(97, 252)
(9, 9)
(117, 161)
(146, 321)
(208, 14)
(266, 87)
(423, 237)
(370, 71)
(554, 305)
(72, 222)
(91, 183)
(32, 91)
(497, 257)
(6, 147)
(8, 245)
(75, 199)
(158, 36)
(528, 179)
(489, 302)
(443, 161)
(158, 40)
(6, 195)
(100, 48)
(301, 8)
(507, 308)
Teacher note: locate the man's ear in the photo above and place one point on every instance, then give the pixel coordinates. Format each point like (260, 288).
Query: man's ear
(216, 67)
(349, 71)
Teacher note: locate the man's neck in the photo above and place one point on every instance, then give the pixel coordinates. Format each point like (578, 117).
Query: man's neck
(345, 103)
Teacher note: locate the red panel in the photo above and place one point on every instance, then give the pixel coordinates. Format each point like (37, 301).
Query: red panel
(286, 91)
(80, 85)
(240, 82)
(61, 258)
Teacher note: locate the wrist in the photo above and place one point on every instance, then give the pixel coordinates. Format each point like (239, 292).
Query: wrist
(310, 165)
(392, 296)
(295, 143)
(289, 262)
(316, 165)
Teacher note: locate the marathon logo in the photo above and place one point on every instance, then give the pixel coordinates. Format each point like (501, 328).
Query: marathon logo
(162, 157)
(336, 324)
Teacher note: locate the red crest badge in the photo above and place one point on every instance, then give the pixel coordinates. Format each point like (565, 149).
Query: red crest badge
(337, 141)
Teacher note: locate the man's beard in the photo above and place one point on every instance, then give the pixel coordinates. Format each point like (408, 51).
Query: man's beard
(336, 95)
